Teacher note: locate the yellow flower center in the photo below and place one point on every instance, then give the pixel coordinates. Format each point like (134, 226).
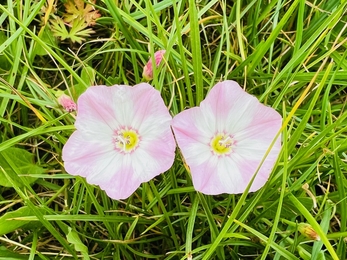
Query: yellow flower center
(221, 144)
(126, 140)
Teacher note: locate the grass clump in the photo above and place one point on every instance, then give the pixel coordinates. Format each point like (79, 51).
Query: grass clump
(290, 54)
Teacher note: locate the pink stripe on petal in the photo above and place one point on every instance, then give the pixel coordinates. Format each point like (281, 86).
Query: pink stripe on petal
(153, 158)
(194, 152)
(192, 124)
(228, 105)
(253, 146)
(233, 109)
(231, 176)
(263, 120)
(148, 108)
(248, 167)
(147, 167)
(203, 176)
(123, 182)
(265, 132)
(106, 169)
(83, 157)
(264, 114)
(95, 110)
(217, 176)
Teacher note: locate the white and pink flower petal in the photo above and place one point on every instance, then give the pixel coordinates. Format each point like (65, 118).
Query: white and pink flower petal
(238, 130)
(83, 156)
(123, 181)
(123, 138)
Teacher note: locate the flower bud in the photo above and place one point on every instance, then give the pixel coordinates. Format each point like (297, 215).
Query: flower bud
(307, 231)
(67, 102)
(148, 68)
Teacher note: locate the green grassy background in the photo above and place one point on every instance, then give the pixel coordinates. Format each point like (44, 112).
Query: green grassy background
(290, 54)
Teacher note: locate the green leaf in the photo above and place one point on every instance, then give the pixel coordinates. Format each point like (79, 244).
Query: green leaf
(6, 254)
(73, 238)
(8, 224)
(114, 80)
(286, 254)
(88, 76)
(59, 29)
(312, 221)
(78, 9)
(289, 210)
(16, 161)
(4, 63)
(46, 35)
(79, 32)
(196, 50)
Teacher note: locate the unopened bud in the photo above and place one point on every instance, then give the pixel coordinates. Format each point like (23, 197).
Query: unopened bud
(148, 68)
(307, 231)
(67, 103)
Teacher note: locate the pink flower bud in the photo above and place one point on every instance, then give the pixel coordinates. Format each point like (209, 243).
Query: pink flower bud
(307, 231)
(148, 68)
(68, 104)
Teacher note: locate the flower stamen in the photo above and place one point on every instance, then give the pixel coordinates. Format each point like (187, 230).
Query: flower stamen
(225, 142)
(126, 140)
(221, 144)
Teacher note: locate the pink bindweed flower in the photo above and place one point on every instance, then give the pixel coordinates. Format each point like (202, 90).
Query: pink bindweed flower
(123, 138)
(224, 140)
(67, 102)
(148, 68)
